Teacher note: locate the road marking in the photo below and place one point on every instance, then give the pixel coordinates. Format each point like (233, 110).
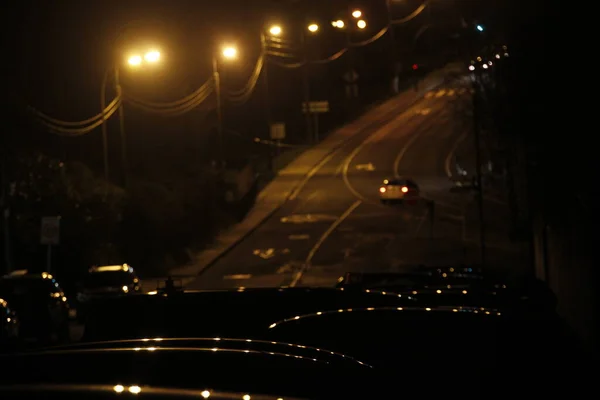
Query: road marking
(424, 111)
(285, 268)
(299, 237)
(237, 277)
(451, 154)
(307, 218)
(428, 95)
(451, 92)
(310, 174)
(264, 254)
(365, 167)
(322, 240)
(403, 151)
(440, 93)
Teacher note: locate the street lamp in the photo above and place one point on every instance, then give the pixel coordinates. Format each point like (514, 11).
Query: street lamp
(133, 61)
(361, 24)
(152, 56)
(313, 28)
(275, 30)
(357, 14)
(227, 53)
(338, 24)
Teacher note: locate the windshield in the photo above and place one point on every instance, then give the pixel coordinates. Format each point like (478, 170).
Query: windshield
(107, 279)
(246, 157)
(15, 288)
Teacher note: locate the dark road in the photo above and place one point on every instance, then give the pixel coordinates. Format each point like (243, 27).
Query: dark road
(335, 223)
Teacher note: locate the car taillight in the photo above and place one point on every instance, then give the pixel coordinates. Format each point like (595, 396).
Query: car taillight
(382, 189)
(404, 189)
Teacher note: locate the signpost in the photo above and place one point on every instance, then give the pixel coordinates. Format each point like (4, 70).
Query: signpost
(315, 108)
(50, 236)
(278, 131)
(351, 79)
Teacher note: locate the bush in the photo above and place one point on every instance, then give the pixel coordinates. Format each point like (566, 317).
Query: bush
(162, 222)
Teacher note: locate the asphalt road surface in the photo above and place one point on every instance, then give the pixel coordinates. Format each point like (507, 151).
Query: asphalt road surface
(336, 223)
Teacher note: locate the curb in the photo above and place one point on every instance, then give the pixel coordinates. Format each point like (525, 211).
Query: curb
(338, 147)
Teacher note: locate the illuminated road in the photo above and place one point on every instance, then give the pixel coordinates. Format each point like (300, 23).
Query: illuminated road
(336, 223)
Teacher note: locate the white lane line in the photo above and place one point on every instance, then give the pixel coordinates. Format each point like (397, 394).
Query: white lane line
(322, 240)
(299, 237)
(404, 149)
(310, 174)
(351, 157)
(451, 154)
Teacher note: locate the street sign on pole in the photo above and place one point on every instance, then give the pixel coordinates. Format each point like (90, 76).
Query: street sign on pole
(278, 131)
(50, 236)
(50, 232)
(316, 107)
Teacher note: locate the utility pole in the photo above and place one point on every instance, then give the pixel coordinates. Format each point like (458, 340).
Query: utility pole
(105, 129)
(124, 160)
(267, 98)
(4, 200)
(217, 80)
(477, 140)
(306, 87)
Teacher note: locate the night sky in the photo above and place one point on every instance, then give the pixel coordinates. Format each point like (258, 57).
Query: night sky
(59, 51)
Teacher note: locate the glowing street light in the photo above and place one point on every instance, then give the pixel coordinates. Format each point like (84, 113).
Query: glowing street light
(134, 61)
(313, 28)
(275, 30)
(361, 24)
(152, 56)
(230, 52)
(357, 13)
(338, 24)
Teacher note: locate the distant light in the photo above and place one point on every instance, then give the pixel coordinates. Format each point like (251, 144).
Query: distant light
(338, 24)
(497, 55)
(361, 24)
(205, 394)
(415, 66)
(275, 30)
(135, 389)
(152, 56)
(480, 28)
(134, 60)
(230, 52)
(357, 13)
(471, 68)
(313, 27)
(485, 66)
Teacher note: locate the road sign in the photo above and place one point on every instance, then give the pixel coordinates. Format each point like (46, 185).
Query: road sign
(351, 76)
(278, 131)
(316, 107)
(50, 232)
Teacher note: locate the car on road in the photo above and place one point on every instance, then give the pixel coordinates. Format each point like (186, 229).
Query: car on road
(398, 190)
(106, 280)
